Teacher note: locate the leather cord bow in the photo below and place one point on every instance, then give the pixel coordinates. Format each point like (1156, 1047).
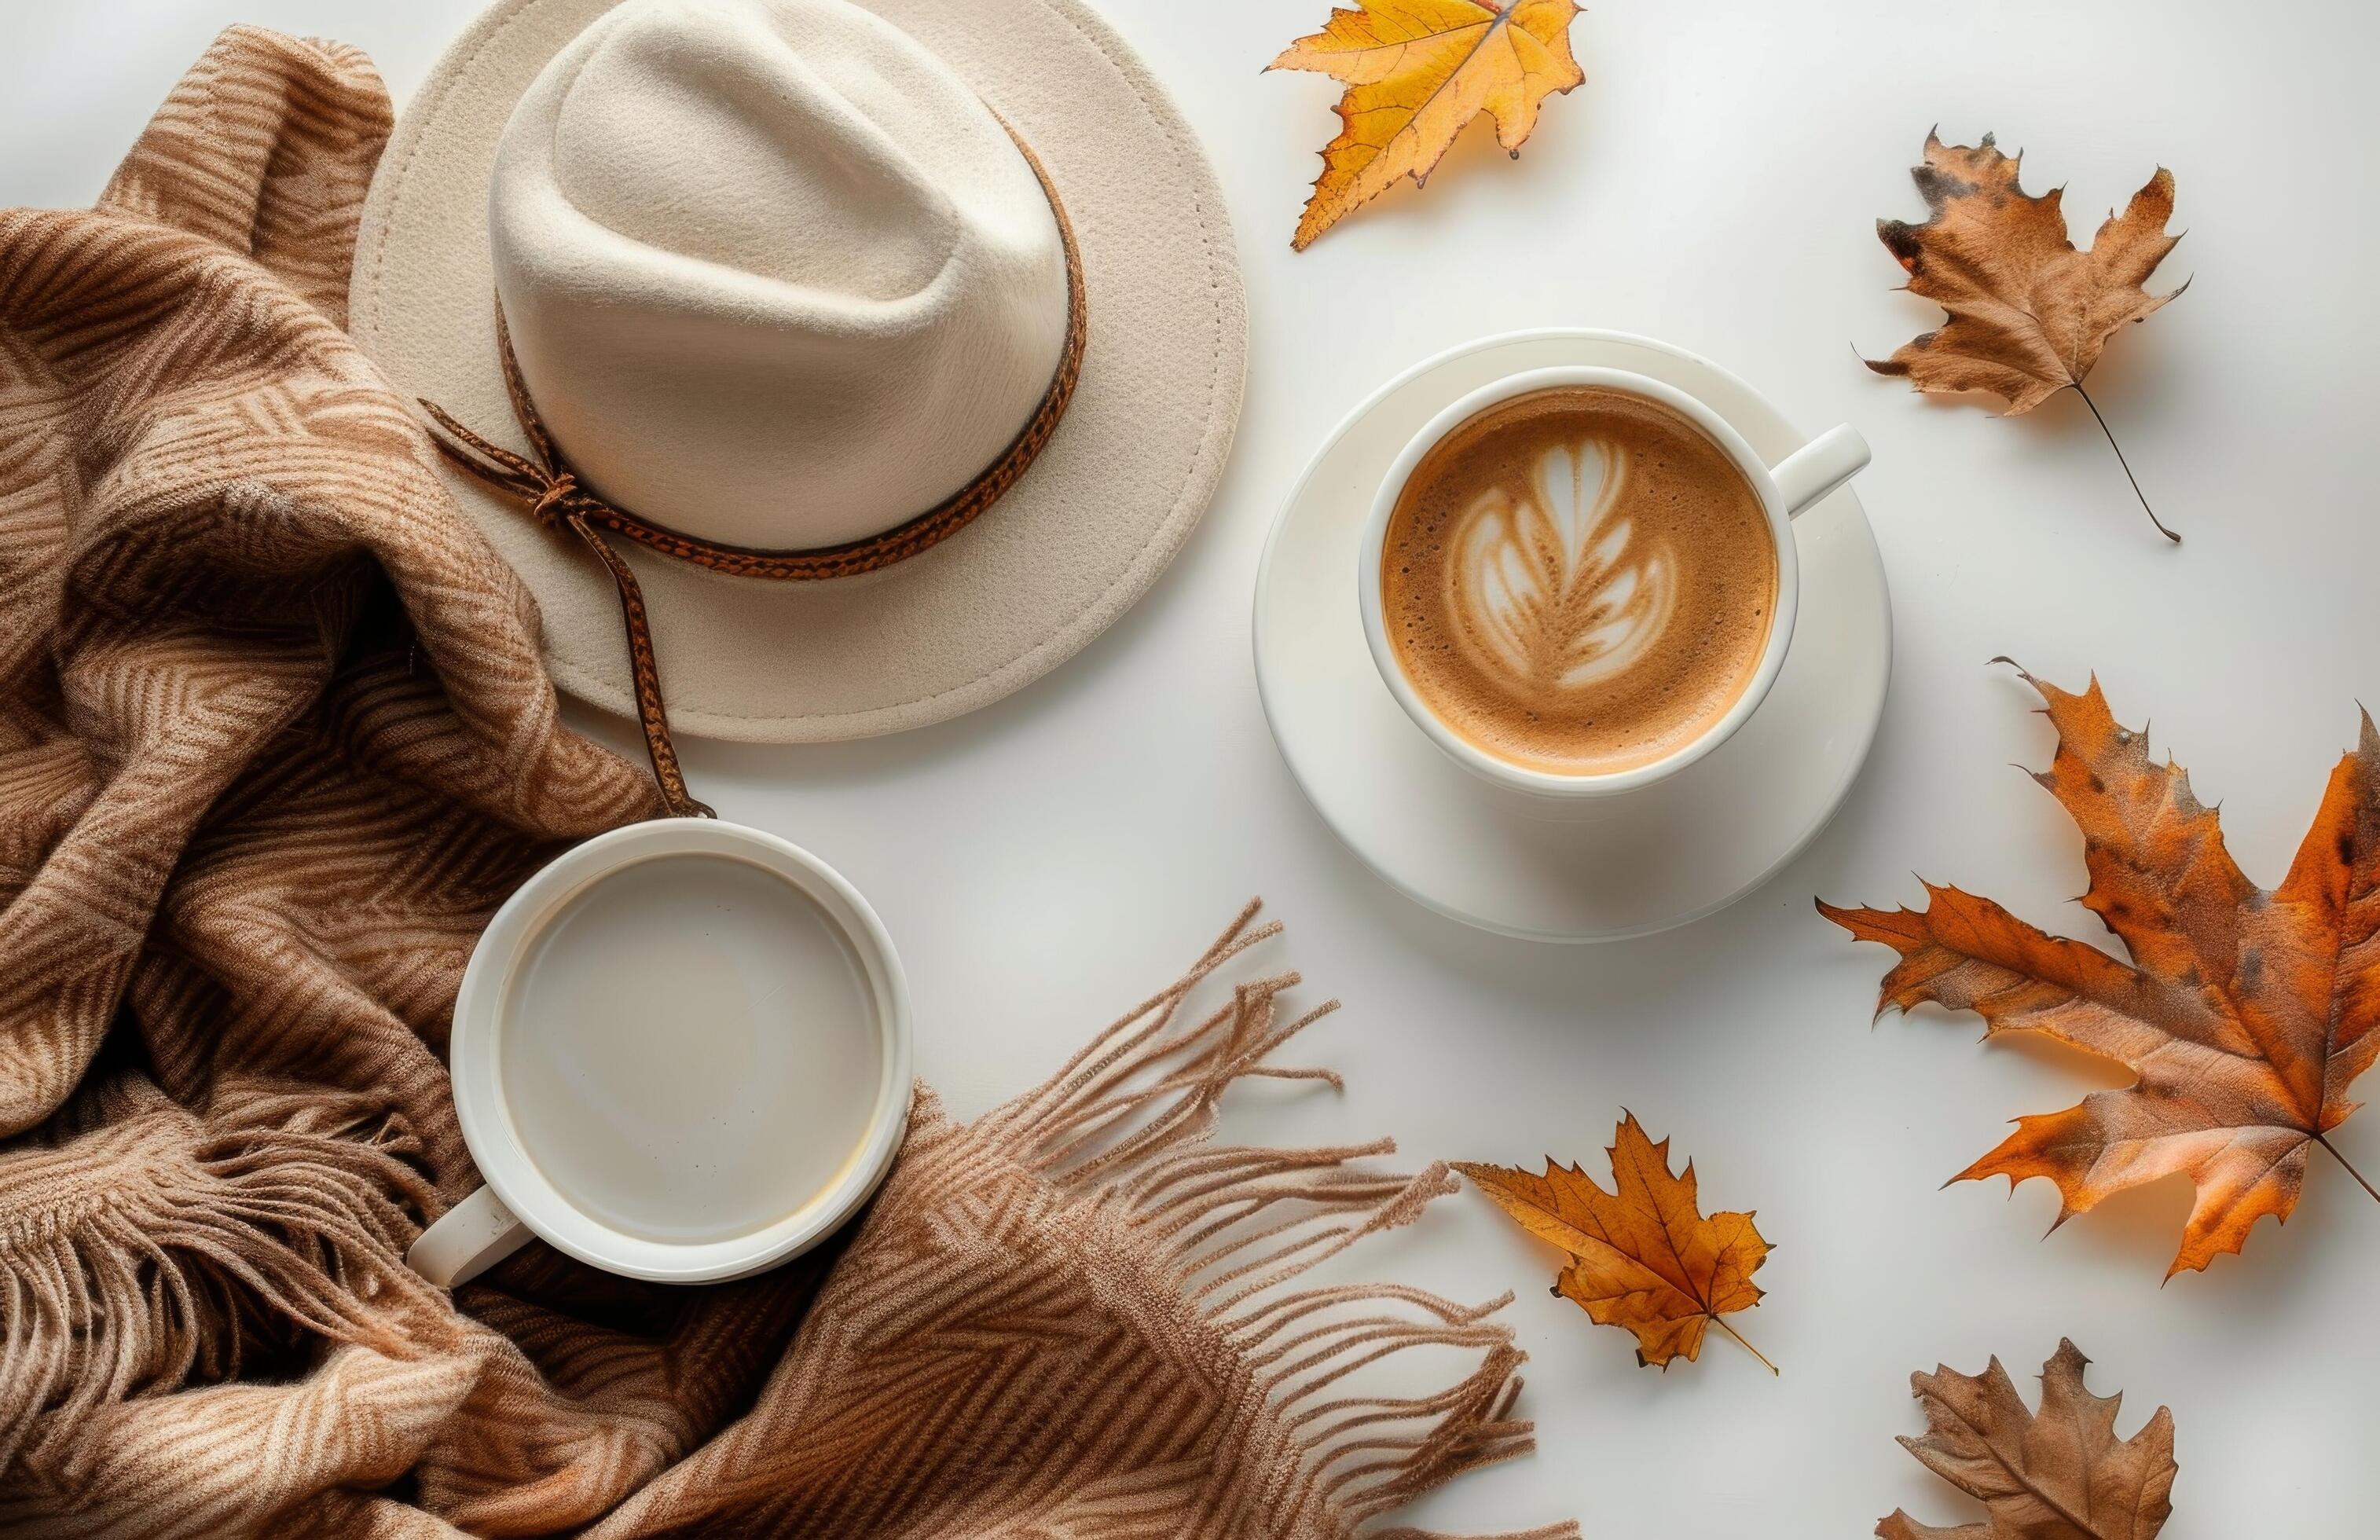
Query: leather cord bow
(551, 489)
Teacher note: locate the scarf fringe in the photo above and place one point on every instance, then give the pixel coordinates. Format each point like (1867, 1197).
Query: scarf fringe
(1130, 1118)
(143, 1253)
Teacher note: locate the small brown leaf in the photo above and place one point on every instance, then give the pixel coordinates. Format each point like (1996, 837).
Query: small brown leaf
(2029, 314)
(1642, 1257)
(1417, 72)
(2245, 1014)
(2060, 1475)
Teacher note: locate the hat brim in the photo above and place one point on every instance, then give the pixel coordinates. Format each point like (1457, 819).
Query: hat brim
(1065, 552)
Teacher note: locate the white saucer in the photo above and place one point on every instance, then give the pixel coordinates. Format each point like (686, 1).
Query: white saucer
(1617, 867)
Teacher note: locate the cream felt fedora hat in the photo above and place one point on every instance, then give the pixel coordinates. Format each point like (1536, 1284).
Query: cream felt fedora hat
(883, 352)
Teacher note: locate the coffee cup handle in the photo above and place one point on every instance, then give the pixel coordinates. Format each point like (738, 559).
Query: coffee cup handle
(1819, 467)
(469, 1238)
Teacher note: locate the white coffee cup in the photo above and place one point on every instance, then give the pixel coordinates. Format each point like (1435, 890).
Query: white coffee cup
(645, 1029)
(1785, 489)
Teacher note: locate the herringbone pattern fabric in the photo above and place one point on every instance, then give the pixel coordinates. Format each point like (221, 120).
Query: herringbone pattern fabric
(275, 741)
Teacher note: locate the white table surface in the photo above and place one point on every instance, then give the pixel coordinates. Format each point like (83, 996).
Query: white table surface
(1046, 861)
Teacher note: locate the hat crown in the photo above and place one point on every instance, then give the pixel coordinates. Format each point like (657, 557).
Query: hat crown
(775, 276)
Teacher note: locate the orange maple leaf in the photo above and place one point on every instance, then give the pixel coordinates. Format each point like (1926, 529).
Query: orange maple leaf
(1642, 1257)
(2244, 1014)
(1416, 72)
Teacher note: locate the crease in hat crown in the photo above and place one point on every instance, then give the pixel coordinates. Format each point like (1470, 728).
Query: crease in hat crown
(775, 276)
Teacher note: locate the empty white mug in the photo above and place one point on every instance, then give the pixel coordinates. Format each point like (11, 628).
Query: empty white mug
(682, 1051)
(1785, 489)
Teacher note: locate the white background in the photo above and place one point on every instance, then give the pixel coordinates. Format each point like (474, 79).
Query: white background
(1046, 861)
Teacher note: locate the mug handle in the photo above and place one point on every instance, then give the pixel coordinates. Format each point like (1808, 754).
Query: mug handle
(469, 1239)
(1819, 467)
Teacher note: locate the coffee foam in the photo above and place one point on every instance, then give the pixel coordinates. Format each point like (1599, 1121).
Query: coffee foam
(1578, 581)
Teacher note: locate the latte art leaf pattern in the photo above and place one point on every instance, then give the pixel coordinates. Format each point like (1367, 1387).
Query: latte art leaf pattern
(1577, 579)
(1559, 592)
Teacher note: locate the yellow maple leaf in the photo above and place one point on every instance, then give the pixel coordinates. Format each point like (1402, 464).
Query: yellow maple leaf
(1416, 71)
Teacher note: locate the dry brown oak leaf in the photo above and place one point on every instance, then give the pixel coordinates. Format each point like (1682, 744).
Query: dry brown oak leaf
(2061, 1475)
(2029, 314)
(2244, 1014)
(1416, 72)
(1643, 1256)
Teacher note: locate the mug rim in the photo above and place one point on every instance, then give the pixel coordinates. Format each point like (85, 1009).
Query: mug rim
(1370, 550)
(495, 1142)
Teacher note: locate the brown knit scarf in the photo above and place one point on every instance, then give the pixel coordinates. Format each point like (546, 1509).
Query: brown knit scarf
(275, 741)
